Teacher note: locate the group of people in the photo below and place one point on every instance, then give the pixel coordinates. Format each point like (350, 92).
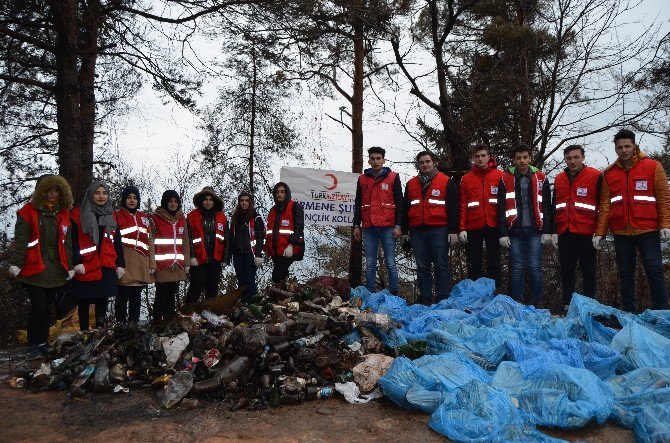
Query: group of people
(109, 253)
(516, 209)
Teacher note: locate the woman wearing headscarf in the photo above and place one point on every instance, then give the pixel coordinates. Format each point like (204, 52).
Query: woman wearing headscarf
(285, 229)
(247, 234)
(138, 253)
(97, 253)
(42, 256)
(172, 253)
(208, 229)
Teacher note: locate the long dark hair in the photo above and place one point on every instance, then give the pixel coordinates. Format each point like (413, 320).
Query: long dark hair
(240, 214)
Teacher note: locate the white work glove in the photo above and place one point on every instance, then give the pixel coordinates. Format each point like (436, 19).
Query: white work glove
(258, 261)
(152, 271)
(554, 240)
(79, 269)
(463, 236)
(665, 233)
(288, 252)
(70, 275)
(187, 268)
(596, 241)
(546, 239)
(453, 239)
(194, 261)
(504, 242)
(119, 272)
(14, 271)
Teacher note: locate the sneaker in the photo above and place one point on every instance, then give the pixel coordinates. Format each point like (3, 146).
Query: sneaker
(33, 352)
(45, 349)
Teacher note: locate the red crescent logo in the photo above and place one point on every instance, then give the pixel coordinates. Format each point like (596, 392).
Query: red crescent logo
(334, 182)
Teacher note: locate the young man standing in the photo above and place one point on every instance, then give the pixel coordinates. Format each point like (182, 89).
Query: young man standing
(378, 208)
(635, 204)
(524, 222)
(479, 214)
(576, 197)
(431, 216)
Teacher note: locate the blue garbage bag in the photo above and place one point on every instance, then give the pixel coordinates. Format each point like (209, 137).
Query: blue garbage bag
(652, 424)
(392, 338)
(477, 412)
(657, 320)
(438, 319)
(639, 380)
(586, 311)
(399, 378)
(626, 409)
(641, 347)
(504, 306)
(556, 394)
(470, 295)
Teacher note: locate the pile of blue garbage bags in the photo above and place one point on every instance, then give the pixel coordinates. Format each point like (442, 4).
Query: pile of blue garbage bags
(495, 369)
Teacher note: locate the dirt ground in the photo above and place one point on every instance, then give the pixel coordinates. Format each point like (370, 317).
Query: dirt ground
(138, 416)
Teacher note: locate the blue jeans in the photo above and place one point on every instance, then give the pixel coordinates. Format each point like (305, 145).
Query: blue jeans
(245, 271)
(431, 247)
(649, 245)
(525, 254)
(372, 236)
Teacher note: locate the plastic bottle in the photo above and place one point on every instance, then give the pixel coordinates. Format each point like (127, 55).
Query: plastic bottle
(318, 392)
(308, 341)
(223, 376)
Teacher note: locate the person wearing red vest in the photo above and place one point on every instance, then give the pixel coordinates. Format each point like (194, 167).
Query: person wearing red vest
(430, 214)
(575, 204)
(42, 255)
(284, 239)
(635, 205)
(524, 222)
(208, 229)
(247, 236)
(97, 254)
(138, 253)
(172, 253)
(479, 214)
(378, 208)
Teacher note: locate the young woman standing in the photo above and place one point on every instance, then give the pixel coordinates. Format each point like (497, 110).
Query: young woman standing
(97, 254)
(247, 234)
(172, 253)
(138, 252)
(42, 258)
(285, 229)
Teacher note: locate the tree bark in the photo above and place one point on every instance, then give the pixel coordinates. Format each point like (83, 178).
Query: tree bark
(252, 126)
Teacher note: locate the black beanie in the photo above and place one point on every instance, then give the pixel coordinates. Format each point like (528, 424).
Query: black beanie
(167, 195)
(126, 192)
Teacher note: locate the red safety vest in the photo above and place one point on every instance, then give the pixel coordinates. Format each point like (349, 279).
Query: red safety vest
(479, 199)
(429, 210)
(168, 242)
(577, 202)
(134, 230)
(33, 263)
(537, 180)
(198, 232)
(377, 203)
(632, 195)
(93, 257)
(286, 228)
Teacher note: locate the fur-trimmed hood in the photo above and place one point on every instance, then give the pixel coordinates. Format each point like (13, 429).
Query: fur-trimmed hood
(208, 191)
(47, 182)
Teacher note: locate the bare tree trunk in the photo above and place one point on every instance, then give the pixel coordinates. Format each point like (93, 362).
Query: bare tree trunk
(252, 127)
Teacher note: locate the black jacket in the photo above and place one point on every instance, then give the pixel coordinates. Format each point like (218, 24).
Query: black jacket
(547, 222)
(240, 241)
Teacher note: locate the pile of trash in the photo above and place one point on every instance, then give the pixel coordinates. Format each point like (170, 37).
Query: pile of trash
(490, 369)
(285, 348)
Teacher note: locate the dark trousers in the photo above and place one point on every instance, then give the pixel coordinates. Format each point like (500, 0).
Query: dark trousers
(165, 303)
(280, 265)
(205, 277)
(100, 312)
(474, 249)
(128, 301)
(573, 248)
(649, 245)
(245, 271)
(39, 317)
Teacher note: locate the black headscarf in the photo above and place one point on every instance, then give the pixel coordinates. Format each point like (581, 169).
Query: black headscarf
(167, 195)
(126, 192)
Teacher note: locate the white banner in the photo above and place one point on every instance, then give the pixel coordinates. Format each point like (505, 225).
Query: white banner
(326, 196)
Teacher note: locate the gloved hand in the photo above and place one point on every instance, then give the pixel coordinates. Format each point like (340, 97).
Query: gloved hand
(258, 261)
(665, 233)
(79, 269)
(546, 239)
(14, 271)
(596, 241)
(504, 242)
(288, 252)
(194, 261)
(463, 236)
(187, 268)
(453, 239)
(397, 232)
(152, 271)
(554, 240)
(70, 275)
(119, 272)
